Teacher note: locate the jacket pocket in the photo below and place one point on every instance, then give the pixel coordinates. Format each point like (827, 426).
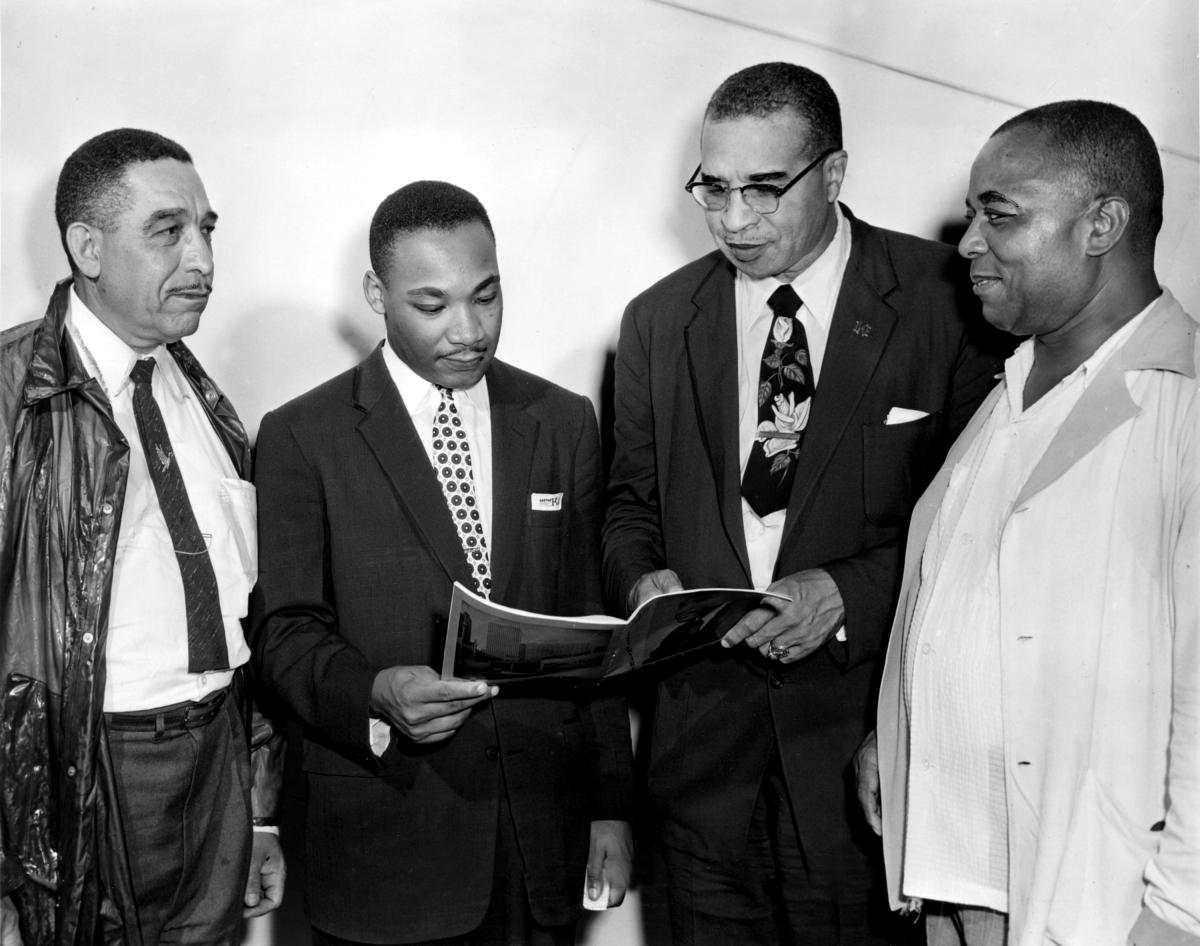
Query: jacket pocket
(1098, 892)
(895, 468)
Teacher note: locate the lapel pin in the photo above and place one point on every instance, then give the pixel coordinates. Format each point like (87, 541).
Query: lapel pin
(862, 329)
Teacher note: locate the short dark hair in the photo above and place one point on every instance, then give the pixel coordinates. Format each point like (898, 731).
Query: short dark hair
(91, 185)
(771, 87)
(1109, 151)
(421, 205)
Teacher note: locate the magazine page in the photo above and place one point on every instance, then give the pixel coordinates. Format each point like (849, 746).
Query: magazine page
(504, 645)
(489, 641)
(672, 625)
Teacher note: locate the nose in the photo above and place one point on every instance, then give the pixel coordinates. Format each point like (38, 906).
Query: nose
(466, 327)
(198, 254)
(972, 243)
(737, 214)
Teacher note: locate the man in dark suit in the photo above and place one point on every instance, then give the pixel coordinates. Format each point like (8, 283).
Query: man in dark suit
(439, 810)
(779, 405)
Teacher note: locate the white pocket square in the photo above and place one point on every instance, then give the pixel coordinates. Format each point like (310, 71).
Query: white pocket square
(546, 502)
(904, 415)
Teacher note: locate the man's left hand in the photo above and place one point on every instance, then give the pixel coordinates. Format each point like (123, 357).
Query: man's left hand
(610, 857)
(268, 872)
(787, 631)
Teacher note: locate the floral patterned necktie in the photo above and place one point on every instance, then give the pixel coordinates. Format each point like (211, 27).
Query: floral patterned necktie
(785, 389)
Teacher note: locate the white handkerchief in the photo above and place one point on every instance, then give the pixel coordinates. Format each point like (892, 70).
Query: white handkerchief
(904, 415)
(546, 502)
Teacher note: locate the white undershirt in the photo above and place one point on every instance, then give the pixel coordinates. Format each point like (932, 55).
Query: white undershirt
(146, 656)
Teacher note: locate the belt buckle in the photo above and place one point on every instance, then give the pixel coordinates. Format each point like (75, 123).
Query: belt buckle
(186, 722)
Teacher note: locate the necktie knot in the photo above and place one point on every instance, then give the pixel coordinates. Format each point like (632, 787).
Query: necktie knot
(784, 301)
(143, 371)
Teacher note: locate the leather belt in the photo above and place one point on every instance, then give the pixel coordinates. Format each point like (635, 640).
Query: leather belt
(170, 718)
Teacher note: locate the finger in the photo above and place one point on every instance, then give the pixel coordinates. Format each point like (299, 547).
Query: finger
(450, 691)
(868, 800)
(746, 626)
(618, 884)
(436, 729)
(595, 870)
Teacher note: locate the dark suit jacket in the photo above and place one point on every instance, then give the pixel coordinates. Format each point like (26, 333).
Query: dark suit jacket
(896, 340)
(357, 557)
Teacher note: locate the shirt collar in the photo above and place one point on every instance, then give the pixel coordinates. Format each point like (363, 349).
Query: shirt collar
(1020, 363)
(415, 390)
(108, 357)
(817, 286)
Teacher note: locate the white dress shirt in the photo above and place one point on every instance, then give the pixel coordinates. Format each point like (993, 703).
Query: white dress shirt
(956, 837)
(146, 656)
(421, 399)
(818, 288)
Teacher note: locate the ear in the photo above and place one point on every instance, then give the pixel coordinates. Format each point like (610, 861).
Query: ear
(85, 244)
(373, 291)
(834, 171)
(1108, 219)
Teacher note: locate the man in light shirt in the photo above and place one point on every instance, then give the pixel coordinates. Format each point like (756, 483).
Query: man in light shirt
(1038, 752)
(127, 560)
(439, 811)
(779, 405)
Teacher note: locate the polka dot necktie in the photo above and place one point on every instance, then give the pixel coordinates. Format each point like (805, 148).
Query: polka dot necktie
(452, 460)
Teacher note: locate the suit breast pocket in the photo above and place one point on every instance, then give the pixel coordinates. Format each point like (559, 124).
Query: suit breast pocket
(896, 468)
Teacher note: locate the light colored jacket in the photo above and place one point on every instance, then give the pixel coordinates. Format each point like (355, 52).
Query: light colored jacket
(1099, 577)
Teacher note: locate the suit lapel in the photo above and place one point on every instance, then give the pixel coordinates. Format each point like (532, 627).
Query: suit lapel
(858, 334)
(390, 435)
(514, 434)
(710, 340)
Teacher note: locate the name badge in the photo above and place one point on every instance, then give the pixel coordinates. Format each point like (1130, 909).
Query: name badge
(546, 502)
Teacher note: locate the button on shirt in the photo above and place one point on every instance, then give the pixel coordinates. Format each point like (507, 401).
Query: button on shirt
(146, 657)
(818, 288)
(956, 835)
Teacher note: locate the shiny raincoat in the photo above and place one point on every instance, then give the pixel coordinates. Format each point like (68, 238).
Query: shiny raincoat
(63, 469)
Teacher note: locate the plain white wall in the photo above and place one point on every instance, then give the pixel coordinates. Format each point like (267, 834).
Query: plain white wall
(575, 121)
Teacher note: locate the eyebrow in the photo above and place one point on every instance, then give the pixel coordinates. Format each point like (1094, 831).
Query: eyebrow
(995, 197)
(494, 279)
(759, 178)
(174, 213)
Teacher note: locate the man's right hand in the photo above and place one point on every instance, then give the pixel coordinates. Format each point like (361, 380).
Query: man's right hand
(424, 707)
(652, 584)
(866, 774)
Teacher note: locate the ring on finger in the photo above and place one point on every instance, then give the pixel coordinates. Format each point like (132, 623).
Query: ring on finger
(777, 653)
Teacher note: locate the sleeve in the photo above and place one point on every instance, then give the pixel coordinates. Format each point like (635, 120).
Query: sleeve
(1172, 898)
(605, 716)
(633, 541)
(297, 651)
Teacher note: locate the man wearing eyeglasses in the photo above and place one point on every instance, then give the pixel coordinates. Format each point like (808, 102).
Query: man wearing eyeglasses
(780, 404)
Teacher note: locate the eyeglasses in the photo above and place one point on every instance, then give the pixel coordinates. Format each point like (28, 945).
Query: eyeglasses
(761, 198)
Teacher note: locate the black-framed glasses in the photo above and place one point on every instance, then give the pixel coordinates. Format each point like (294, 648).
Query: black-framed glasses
(761, 198)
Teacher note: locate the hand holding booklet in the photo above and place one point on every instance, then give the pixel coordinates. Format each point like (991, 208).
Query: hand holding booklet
(491, 642)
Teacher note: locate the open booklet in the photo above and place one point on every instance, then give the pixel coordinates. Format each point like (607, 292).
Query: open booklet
(488, 641)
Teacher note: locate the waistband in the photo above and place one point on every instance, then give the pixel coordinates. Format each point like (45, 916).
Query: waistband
(175, 718)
